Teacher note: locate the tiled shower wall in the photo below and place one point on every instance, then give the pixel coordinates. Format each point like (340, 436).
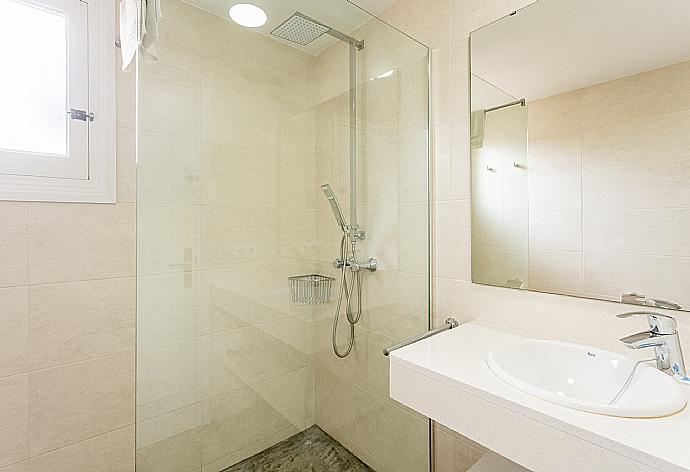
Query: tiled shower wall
(352, 402)
(67, 292)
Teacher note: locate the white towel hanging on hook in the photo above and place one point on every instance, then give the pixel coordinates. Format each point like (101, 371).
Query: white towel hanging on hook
(139, 29)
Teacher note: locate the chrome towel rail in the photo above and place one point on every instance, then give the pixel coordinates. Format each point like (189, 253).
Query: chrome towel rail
(450, 323)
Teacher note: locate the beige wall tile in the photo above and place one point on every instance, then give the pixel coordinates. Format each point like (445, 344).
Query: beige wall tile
(168, 236)
(579, 161)
(14, 331)
(239, 297)
(553, 154)
(452, 239)
(334, 406)
(395, 438)
(413, 167)
(126, 153)
(395, 304)
(19, 467)
(72, 403)
(459, 127)
(627, 186)
(607, 275)
(561, 191)
(166, 378)
(14, 410)
(310, 398)
(112, 452)
(76, 321)
(452, 454)
(324, 358)
(556, 230)
(556, 271)
(621, 231)
(245, 356)
(69, 242)
(637, 96)
(13, 243)
(170, 442)
(413, 238)
(126, 95)
(153, 165)
(633, 141)
(559, 118)
(382, 183)
(165, 309)
(242, 417)
(382, 235)
(371, 367)
(497, 266)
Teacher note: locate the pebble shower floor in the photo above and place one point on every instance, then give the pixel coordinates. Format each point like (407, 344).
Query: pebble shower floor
(309, 451)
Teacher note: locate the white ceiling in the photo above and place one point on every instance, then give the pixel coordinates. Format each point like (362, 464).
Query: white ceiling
(338, 14)
(554, 46)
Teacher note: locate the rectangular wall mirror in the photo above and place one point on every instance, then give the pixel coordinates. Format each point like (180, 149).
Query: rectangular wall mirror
(580, 148)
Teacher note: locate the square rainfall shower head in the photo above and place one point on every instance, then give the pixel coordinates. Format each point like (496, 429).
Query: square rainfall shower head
(300, 29)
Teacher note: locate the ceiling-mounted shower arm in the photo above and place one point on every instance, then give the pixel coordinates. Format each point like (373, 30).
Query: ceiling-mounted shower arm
(359, 44)
(334, 32)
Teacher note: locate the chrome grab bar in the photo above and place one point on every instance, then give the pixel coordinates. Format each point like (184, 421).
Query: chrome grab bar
(450, 323)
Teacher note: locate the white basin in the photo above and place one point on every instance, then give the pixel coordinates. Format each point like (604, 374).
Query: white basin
(586, 379)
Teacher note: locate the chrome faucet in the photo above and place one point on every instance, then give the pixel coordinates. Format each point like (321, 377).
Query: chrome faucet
(663, 337)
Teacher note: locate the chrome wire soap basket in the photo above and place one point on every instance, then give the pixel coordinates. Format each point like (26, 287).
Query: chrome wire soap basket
(310, 289)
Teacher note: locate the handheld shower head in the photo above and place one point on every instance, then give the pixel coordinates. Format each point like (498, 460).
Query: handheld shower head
(335, 206)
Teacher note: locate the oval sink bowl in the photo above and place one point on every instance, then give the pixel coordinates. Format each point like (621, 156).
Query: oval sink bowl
(586, 379)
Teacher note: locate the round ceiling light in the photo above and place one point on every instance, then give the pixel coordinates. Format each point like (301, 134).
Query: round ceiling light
(246, 14)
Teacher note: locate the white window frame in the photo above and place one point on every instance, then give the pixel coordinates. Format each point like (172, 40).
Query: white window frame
(100, 186)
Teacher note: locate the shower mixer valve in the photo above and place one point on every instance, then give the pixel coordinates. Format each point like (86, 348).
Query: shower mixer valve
(371, 264)
(350, 294)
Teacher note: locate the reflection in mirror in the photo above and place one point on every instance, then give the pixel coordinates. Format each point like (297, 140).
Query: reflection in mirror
(584, 189)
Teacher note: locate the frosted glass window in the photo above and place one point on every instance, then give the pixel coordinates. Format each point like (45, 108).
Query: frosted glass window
(57, 99)
(33, 83)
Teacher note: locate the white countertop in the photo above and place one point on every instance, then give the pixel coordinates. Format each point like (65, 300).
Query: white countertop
(458, 358)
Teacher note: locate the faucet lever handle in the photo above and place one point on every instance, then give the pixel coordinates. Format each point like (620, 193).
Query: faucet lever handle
(659, 323)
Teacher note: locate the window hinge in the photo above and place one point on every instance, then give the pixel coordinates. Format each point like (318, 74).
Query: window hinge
(80, 115)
